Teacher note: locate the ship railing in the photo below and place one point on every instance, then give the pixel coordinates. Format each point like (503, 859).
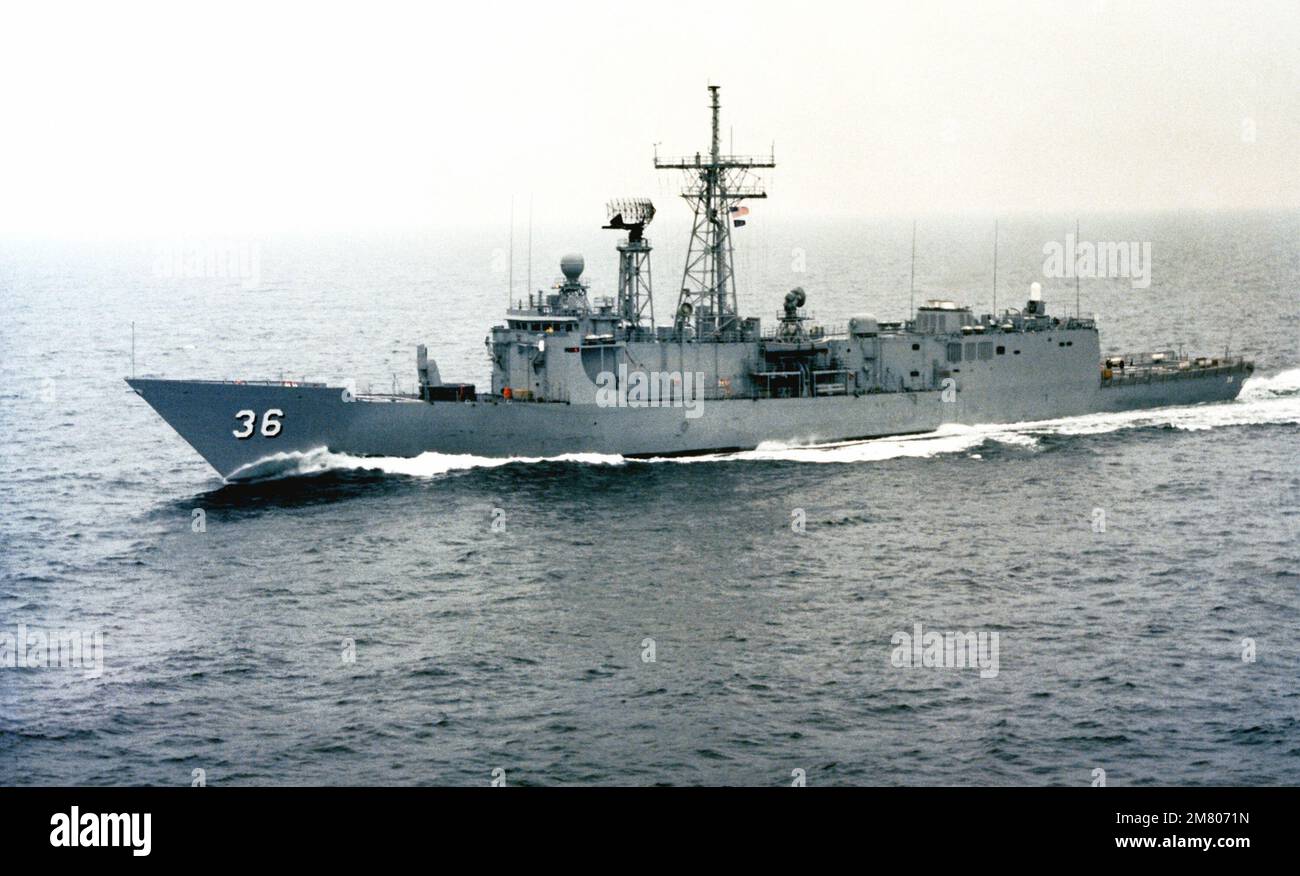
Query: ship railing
(1169, 359)
(691, 337)
(812, 333)
(525, 397)
(702, 160)
(539, 309)
(1146, 357)
(733, 193)
(386, 397)
(1155, 371)
(735, 336)
(281, 382)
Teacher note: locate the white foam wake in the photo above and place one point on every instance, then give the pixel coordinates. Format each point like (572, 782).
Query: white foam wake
(1263, 400)
(946, 439)
(1270, 400)
(1280, 385)
(426, 465)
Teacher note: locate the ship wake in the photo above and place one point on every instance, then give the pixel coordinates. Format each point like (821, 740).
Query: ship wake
(426, 465)
(1271, 400)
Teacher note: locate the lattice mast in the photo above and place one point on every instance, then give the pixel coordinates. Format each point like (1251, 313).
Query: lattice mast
(714, 186)
(635, 297)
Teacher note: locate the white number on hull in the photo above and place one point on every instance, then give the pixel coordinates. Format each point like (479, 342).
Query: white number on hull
(271, 423)
(249, 419)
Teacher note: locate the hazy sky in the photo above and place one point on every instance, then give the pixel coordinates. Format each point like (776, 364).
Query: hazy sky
(124, 117)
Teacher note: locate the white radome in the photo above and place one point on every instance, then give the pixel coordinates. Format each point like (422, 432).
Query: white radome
(572, 265)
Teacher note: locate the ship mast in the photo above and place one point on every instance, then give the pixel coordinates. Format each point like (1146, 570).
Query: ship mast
(715, 186)
(635, 299)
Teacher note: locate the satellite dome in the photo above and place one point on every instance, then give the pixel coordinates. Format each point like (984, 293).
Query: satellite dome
(572, 265)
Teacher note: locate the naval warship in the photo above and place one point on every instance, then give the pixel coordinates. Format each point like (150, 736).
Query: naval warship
(576, 373)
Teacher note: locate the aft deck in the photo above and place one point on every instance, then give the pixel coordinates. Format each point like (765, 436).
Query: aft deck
(1156, 367)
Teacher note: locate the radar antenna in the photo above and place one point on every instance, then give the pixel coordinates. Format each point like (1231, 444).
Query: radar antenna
(715, 186)
(635, 299)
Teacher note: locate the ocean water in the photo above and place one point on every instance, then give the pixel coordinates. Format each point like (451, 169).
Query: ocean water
(357, 621)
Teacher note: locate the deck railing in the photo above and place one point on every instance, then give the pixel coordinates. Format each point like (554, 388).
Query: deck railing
(1153, 371)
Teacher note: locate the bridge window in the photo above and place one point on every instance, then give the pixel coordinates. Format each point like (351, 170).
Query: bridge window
(954, 352)
(986, 350)
(1002, 351)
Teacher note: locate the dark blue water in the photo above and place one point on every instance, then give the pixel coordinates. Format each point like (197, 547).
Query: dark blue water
(521, 647)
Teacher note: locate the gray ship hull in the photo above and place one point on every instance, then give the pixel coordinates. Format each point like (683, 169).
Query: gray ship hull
(312, 417)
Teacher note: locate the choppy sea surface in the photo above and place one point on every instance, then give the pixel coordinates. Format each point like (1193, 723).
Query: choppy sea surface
(362, 621)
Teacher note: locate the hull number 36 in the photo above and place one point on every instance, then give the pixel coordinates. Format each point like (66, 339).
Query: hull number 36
(270, 423)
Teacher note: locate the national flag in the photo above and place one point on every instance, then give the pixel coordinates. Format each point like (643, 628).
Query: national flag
(739, 223)
(740, 211)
